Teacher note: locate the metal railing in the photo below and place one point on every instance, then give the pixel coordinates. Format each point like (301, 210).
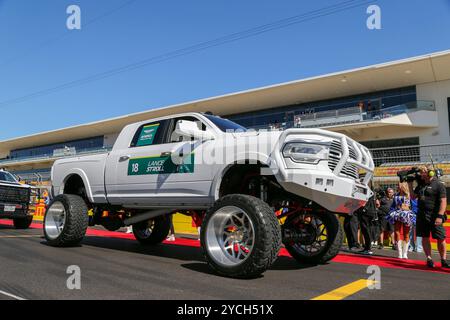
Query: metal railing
(34, 176)
(348, 115)
(53, 156)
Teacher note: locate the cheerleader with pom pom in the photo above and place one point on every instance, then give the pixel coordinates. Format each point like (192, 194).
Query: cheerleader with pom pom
(403, 217)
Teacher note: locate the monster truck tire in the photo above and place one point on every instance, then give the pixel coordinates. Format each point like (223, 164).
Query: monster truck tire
(266, 236)
(23, 223)
(335, 237)
(153, 231)
(66, 221)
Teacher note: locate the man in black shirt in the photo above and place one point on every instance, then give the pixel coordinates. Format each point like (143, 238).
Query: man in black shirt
(383, 211)
(366, 215)
(432, 203)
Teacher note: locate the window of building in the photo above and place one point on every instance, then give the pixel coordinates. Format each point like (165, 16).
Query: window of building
(284, 114)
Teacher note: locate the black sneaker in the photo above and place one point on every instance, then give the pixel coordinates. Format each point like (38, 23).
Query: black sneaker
(366, 252)
(430, 263)
(394, 246)
(444, 264)
(381, 247)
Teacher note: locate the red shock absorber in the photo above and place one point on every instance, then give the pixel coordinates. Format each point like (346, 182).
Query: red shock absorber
(197, 217)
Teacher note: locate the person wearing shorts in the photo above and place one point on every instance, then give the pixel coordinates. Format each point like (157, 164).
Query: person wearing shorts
(432, 202)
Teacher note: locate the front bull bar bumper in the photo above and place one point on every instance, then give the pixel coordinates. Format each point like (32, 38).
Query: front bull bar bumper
(337, 192)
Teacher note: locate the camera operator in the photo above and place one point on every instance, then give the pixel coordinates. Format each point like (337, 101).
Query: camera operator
(367, 215)
(432, 202)
(384, 209)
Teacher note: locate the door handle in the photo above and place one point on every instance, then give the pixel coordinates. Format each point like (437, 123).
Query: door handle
(124, 158)
(166, 154)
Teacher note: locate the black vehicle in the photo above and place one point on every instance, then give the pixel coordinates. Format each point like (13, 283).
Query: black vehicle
(14, 201)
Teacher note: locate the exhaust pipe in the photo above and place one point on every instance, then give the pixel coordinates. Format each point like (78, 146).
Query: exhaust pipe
(144, 217)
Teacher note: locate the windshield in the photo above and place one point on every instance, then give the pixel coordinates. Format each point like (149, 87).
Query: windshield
(225, 124)
(6, 176)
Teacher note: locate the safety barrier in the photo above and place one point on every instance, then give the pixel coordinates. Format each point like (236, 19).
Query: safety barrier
(38, 210)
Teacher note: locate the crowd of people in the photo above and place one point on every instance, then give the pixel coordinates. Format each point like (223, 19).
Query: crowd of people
(408, 216)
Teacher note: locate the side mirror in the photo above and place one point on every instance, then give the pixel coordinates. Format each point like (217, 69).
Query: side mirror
(190, 129)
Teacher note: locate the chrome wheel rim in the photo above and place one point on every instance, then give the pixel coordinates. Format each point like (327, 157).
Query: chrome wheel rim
(55, 219)
(230, 236)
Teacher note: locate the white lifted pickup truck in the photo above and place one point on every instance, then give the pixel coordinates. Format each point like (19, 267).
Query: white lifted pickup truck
(254, 190)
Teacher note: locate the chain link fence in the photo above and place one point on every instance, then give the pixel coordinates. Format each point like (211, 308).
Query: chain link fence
(411, 155)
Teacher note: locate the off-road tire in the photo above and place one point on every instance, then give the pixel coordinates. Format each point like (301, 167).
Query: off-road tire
(23, 223)
(76, 223)
(333, 245)
(159, 232)
(267, 242)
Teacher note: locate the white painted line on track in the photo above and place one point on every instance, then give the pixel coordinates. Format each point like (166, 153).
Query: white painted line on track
(11, 295)
(14, 237)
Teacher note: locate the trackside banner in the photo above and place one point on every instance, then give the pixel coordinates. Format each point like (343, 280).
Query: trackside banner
(160, 165)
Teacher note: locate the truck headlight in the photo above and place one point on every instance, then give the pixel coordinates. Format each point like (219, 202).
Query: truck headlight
(306, 152)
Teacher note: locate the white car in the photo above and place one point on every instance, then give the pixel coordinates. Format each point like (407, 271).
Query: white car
(254, 189)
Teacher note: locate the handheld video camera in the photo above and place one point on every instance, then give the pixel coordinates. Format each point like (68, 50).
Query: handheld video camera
(413, 174)
(410, 175)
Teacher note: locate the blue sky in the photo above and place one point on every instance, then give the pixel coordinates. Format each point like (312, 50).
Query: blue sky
(38, 52)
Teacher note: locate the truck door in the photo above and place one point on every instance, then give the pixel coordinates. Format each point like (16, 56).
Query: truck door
(128, 176)
(185, 178)
(160, 169)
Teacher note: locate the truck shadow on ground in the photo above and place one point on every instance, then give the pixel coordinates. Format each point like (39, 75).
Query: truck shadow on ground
(281, 264)
(190, 254)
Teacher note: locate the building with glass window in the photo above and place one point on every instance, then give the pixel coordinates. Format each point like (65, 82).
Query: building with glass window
(399, 109)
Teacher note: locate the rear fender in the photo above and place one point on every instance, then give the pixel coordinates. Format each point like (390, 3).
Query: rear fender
(83, 176)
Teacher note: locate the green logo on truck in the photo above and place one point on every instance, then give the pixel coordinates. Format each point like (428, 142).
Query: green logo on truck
(160, 165)
(147, 135)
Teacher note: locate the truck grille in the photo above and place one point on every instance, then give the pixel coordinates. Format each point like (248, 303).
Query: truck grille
(349, 170)
(14, 195)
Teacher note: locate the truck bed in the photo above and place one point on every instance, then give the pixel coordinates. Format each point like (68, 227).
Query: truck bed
(90, 168)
